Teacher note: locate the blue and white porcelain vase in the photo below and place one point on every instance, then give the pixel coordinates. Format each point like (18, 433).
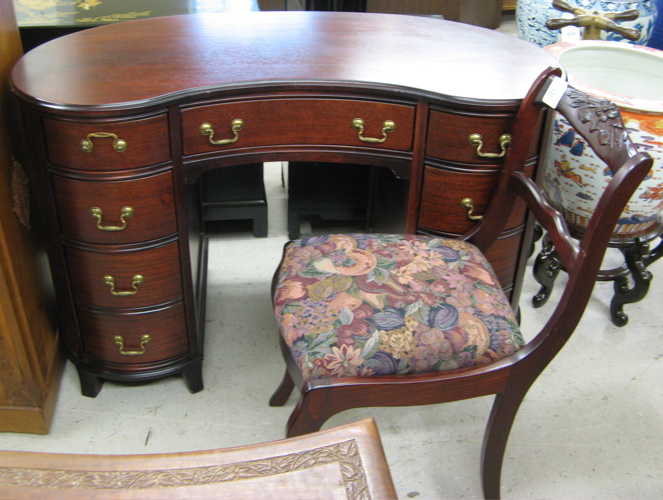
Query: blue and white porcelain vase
(532, 15)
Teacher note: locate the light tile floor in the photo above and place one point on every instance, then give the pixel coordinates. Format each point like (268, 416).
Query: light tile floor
(590, 428)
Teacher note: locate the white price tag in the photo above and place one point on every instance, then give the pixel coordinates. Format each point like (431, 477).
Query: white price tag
(555, 92)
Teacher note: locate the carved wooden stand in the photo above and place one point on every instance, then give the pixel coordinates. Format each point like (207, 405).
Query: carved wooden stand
(631, 279)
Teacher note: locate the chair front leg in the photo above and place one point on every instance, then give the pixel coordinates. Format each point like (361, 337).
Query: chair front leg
(502, 415)
(312, 411)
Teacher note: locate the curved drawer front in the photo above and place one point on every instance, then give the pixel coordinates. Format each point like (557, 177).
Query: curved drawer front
(139, 278)
(443, 194)
(135, 338)
(449, 137)
(272, 122)
(107, 145)
(442, 198)
(116, 212)
(503, 257)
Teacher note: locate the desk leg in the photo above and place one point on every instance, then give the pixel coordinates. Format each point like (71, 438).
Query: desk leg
(90, 383)
(193, 376)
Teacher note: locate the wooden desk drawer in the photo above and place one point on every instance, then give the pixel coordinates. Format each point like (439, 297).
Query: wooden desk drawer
(116, 212)
(448, 137)
(134, 338)
(272, 122)
(442, 195)
(146, 141)
(159, 268)
(503, 257)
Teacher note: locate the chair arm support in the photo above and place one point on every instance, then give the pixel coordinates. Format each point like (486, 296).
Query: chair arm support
(547, 216)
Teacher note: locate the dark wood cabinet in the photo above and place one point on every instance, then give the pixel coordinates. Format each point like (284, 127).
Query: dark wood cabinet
(122, 132)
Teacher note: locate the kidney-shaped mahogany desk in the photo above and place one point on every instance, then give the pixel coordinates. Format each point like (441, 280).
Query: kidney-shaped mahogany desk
(121, 120)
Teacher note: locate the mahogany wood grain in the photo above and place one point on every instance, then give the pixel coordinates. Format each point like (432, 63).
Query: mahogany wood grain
(442, 193)
(159, 267)
(153, 214)
(448, 136)
(147, 141)
(165, 326)
(295, 121)
(153, 60)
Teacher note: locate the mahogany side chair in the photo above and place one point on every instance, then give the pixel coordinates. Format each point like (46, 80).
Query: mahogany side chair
(370, 320)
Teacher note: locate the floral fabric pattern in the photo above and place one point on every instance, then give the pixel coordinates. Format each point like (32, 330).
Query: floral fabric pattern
(365, 304)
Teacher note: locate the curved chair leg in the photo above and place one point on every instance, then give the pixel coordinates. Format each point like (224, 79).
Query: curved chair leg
(282, 393)
(546, 269)
(635, 257)
(311, 412)
(495, 439)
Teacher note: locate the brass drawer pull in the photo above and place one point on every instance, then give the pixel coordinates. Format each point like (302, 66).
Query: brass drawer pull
(145, 339)
(125, 213)
(236, 125)
(137, 279)
(477, 140)
(387, 127)
(119, 145)
(468, 204)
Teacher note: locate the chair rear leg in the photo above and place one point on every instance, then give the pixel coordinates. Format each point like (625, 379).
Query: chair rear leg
(495, 439)
(282, 393)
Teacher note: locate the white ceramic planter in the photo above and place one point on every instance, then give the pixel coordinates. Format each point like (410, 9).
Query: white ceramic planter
(574, 178)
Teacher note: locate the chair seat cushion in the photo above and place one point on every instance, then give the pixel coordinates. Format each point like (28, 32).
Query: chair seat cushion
(373, 304)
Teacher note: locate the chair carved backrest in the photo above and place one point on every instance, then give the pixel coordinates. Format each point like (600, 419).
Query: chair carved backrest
(600, 123)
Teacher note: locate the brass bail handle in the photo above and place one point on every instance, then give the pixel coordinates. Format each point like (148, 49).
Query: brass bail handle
(468, 204)
(594, 22)
(137, 279)
(119, 145)
(235, 126)
(477, 140)
(125, 213)
(144, 339)
(388, 126)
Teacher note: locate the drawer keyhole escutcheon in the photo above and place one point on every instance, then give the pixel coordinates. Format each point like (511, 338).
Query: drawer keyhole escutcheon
(125, 213)
(138, 279)
(387, 127)
(477, 140)
(468, 204)
(119, 145)
(236, 125)
(144, 339)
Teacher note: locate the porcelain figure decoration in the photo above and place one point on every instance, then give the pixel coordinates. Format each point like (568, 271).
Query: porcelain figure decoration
(574, 178)
(531, 17)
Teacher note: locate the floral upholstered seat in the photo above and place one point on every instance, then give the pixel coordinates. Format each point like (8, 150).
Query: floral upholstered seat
(370, 304)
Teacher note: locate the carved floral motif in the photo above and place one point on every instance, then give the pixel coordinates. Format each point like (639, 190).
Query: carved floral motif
(602, 115)
(345, 454)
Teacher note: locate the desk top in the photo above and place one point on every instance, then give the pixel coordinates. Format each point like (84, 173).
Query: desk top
(152, 61)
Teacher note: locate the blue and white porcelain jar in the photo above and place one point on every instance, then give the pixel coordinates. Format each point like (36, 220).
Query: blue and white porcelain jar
(531, 17)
